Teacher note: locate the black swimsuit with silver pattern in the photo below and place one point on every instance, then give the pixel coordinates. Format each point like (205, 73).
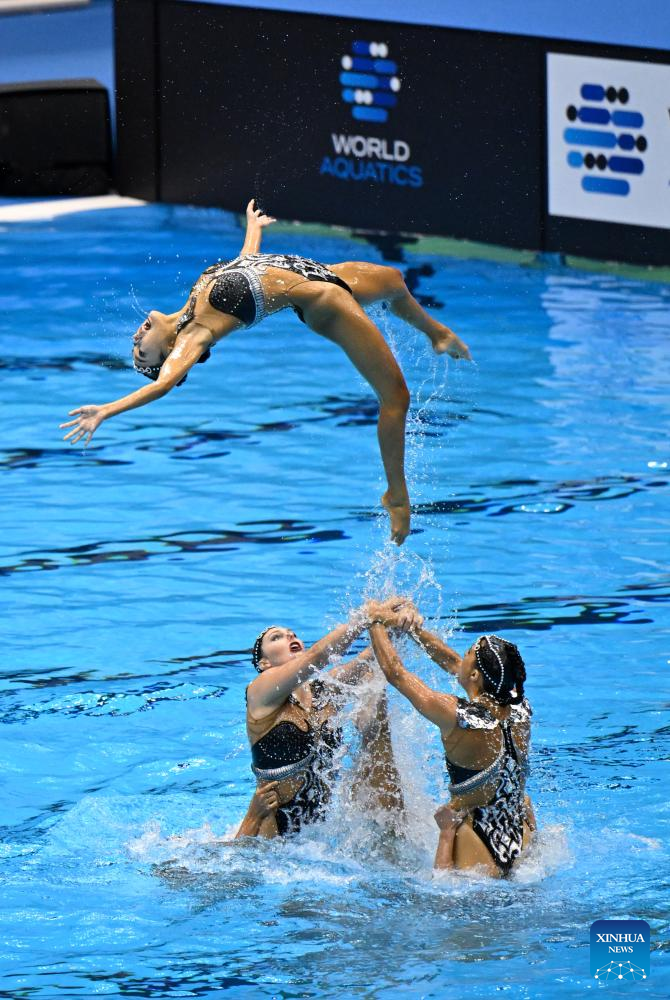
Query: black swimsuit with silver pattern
(499, 824)
(287, 750)
(237, 290)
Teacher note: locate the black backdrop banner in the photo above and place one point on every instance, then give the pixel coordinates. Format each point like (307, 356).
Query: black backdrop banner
(368, 124)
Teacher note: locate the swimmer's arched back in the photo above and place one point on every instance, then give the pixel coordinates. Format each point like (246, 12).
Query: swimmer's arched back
(240, 293)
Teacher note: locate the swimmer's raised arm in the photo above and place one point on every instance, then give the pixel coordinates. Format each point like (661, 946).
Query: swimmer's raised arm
(272, 687)
(445, 657)
(188, 348)
(434, 706)
(356, 670)
(256, 222)
(396, 613)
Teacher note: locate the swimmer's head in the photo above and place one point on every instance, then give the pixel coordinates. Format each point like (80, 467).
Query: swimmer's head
(275, 646)
(500, 669)
(152, 343)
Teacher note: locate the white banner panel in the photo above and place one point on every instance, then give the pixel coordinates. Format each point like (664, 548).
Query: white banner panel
(608, 127)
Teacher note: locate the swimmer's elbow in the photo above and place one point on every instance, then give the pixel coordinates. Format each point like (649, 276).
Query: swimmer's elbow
(163, 386)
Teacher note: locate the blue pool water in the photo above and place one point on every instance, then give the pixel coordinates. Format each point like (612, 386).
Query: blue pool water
(136, 575)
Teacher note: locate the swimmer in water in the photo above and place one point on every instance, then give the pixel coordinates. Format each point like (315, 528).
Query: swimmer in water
(292, 725)
(240, 293)
(486, 737)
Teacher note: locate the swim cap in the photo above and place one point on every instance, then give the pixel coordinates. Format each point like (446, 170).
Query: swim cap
(502, 668)
(256, 649)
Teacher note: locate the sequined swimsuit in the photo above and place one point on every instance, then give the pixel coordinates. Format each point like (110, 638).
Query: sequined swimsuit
(287, 750)
(499, 823)
(237, 290)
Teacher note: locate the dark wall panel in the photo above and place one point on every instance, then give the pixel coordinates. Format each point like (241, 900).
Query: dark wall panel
(137, 107)
(608, 241)
(258, 116)
(217, 104)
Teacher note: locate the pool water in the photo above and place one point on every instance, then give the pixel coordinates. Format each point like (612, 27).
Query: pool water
(137, 574)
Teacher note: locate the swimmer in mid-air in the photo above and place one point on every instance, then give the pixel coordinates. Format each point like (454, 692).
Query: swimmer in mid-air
(240, 293)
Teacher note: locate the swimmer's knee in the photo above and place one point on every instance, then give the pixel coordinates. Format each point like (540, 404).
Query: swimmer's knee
(397, 397)
(394, 281)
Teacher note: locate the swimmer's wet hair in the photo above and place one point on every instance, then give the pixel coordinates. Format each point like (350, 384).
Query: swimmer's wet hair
(502, 667)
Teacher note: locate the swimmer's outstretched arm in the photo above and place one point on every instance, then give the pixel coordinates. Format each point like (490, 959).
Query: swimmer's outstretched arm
(272, 687)
(256, 222)
(188, 348)
(438, 708)
(445, 657)
(397, 613)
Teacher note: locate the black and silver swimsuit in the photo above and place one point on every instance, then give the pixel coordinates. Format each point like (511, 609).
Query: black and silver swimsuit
(499, 824)
(287, 750)
(237, 290)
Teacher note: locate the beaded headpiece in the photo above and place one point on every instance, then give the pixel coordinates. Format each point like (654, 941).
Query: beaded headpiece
(256, 649)
(150, 371)
(496, 684)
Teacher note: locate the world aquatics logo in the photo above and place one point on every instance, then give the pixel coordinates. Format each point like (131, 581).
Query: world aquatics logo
(370, 81)
(370, 87)
(608, 139)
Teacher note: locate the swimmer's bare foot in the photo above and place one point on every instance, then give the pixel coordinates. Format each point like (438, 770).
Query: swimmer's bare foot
(446, 342)
(399, 512)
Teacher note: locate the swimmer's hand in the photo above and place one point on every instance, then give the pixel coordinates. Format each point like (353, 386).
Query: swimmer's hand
(407, 617)
(265, 801)
(257, 218)
(448, 818)
(86, 422)
(396, 612)
(264, 804)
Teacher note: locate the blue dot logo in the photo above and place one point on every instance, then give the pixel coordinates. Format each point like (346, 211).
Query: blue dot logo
(370, 81)
(607, 139)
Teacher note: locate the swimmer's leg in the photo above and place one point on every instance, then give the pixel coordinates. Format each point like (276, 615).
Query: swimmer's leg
(529, 816)
(377, 776)
(459, 846)
(332, 312)
(471, 852)
(374, 282)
